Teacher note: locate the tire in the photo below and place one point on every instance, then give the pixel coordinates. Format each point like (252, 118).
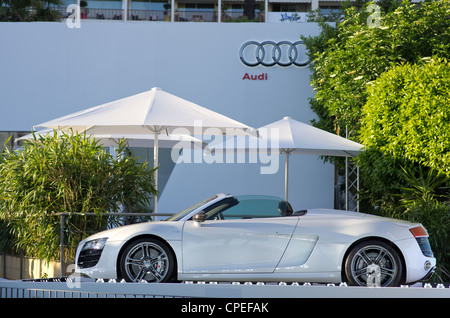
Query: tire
(147, 259)
(370, 258)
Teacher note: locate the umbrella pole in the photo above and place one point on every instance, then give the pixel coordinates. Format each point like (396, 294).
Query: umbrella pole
(286, 176)
(346, 183)
(155, 173)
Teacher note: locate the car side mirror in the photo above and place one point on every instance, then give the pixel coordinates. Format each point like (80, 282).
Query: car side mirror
(199, 217)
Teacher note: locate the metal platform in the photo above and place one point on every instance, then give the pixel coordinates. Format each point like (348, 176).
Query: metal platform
(85, 288)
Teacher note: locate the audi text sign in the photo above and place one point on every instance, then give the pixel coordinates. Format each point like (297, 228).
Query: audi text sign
(257, 77)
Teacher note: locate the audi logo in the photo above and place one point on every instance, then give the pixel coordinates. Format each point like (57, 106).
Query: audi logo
(269, 53)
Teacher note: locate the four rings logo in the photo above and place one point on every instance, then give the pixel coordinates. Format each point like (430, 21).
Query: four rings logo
(269, 53)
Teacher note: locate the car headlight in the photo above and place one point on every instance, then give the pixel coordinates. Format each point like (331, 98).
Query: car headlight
(90, 253)
(97, 244)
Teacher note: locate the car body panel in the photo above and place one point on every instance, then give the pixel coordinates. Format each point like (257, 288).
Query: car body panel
(240, 245)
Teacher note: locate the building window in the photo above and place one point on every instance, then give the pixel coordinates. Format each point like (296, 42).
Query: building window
(326, 10)
(289, 7)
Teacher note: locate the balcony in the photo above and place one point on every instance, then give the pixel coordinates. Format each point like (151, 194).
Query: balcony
(184, 10)
(180, 15)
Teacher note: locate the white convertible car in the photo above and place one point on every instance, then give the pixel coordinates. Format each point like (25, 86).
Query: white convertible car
(260, 238)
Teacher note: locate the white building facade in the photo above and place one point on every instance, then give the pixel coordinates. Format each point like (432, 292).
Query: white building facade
(50, 70)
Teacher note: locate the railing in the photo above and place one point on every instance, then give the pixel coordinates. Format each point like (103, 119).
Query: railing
(237, 16)
(195, 16)
(71, 288)
(148, 15)
(102, 14)
(181, 15)
(92, 13)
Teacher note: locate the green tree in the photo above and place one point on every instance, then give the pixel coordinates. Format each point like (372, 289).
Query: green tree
(388, 83)
(29, 10)
(66, 173)
(407, 114)
(406, 165)
(353, 53)
(405, 128)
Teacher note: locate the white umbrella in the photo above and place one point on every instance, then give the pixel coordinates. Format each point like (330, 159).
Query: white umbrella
(290, 136)
(136, 140)
(152, 112)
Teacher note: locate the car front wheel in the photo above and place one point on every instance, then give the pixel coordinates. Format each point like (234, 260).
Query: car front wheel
(147, 259)
(373, 263)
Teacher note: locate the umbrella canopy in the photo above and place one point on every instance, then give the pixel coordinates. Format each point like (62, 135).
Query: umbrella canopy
(136, 140)
(290, 136)
(152, 112)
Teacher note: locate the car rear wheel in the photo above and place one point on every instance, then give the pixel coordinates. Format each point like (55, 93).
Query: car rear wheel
(147, 259)
(373, 263)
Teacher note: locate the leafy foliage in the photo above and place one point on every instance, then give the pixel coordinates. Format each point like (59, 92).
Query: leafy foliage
(348, 58)
(406, 129)
(66, 173)
(29, 10)
(407, 114)
(389, 86)
(426, 200)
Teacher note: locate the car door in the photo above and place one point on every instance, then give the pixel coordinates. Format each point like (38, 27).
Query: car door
(236, 245)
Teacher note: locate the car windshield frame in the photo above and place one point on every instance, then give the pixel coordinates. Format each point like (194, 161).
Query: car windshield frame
(178, 216)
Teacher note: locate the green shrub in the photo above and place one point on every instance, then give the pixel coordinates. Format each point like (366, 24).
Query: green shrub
(388, 86)
(353, 54)
(407, 114)
(435, 216)
(66, 173)
(405, 167)
(425, 199)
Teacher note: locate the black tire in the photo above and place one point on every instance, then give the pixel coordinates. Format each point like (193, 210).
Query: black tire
(371, 257)
(147, 259)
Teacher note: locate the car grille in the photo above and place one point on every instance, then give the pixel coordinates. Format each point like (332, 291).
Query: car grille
(424, 245)
(89, 258)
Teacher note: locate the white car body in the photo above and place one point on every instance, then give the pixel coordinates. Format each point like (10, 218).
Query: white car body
(309, 247)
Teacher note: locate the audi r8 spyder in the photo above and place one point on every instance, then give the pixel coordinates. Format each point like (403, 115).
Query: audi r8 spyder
(261, 238)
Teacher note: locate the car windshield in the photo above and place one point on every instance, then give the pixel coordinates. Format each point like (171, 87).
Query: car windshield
(188, 210)
(247, 207)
